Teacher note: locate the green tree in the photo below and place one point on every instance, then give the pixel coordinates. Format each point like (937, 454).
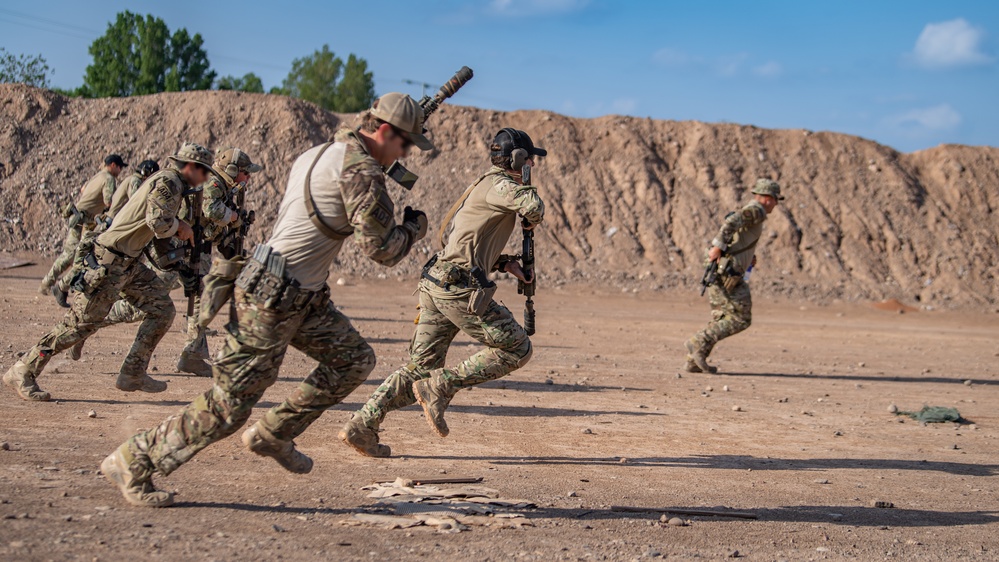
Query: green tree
(317, 78)
(189, 69)
(137, 55)
(29, 70)
(356, 90)
(250, 82)
(314, 78)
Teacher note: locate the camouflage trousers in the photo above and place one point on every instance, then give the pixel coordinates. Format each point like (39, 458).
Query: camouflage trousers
(196, 341)
(442, 315)
(64, 261)
(123, 278)
(247, 365)
(731, 313)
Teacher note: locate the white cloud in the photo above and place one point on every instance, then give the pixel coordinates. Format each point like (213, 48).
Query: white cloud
(721, 65)
(770, 69)
(535, 7)
(672, 57)
(941, 117)
(624, 106)
(950, 43)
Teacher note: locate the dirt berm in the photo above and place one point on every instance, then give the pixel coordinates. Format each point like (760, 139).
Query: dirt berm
(631, 202)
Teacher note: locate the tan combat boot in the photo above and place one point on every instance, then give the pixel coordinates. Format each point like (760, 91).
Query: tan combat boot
(136, 492)
(195, 365)
(697, 362)
(261, 442)
(76, 352)
(21, 380)
(363, 439)
(142, 383)
(434, 397)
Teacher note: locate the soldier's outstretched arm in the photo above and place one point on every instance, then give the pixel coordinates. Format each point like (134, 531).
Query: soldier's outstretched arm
(372, 214)
(522, 199)
(161, 214)
(750, 215)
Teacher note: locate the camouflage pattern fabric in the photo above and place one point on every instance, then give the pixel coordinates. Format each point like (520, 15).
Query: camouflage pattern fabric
(731, 313)
(442, 315)
(246, 367)
(64, 262)
(123, 278)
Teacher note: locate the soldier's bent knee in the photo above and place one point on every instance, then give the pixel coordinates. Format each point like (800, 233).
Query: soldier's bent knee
(523, 352)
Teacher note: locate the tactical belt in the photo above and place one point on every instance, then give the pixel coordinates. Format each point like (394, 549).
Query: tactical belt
(456, 278)
(264, 277)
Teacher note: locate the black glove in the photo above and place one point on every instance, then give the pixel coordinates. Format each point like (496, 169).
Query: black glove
(418, 219)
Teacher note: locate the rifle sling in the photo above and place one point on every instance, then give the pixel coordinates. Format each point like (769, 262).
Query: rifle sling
(746, 249)
(456, 207)
(310, 204)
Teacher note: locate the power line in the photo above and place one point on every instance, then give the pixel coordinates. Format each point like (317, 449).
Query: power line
(48, 21)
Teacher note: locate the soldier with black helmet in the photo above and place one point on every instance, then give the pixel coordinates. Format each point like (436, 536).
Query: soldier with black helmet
(456, 295)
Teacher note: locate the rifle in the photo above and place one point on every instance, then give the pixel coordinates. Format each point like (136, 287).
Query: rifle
(527, 259)
(193, 290)
(234, 239)
(397, 171)
(710, 276)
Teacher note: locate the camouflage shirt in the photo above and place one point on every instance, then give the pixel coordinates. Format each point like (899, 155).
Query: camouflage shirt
(96, 195)
(348, 186)
(125, 190)
(150, 212)
(740, 233)
(488, 216)
(217, 208)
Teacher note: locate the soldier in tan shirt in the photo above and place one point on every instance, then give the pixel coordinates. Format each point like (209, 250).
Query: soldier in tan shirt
(113, 270)
(335, 192)
(452, 299)
(95, 198)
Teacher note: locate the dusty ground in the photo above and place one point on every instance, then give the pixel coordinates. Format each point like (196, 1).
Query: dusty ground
(813, 439)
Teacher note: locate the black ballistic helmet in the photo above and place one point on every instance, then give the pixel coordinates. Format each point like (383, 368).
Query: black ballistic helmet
(511, 139)
(148, 167)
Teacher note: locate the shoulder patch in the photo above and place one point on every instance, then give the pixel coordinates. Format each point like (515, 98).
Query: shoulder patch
(381, 214)
(748, 215)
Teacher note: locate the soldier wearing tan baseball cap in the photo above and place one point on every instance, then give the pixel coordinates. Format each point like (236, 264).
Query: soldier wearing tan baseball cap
(405, 114)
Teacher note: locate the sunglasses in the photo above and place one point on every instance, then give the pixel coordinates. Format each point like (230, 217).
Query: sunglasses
(407, 141)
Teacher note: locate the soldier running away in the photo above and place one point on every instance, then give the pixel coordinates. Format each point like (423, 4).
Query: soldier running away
(95, 198)
(733, 250)
(113, 270)
(455, 295)
(232, 168)
(335, 191)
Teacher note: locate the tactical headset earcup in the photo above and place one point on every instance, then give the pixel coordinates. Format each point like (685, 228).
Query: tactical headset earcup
(232, 168)
(518, 158)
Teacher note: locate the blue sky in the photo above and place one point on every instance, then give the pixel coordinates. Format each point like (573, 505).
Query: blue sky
(909, 74)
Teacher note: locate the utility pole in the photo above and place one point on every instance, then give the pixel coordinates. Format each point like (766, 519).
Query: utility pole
(423, 86)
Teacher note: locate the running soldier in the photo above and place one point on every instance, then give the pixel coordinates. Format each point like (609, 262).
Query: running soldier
(113, 270)
(455, 295)
(733, 252)
(231, 171)
(335, 191)
(95, 198)
(130, 185)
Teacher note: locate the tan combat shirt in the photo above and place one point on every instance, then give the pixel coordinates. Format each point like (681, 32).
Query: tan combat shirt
(125, 190)
(488, 216)
(741, 230)
(150, 212)
(348, 186)
(96, 194)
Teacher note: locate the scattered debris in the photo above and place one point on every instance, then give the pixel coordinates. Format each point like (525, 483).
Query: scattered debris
(933, 414)
(736, 408)
(92, 414)
(893, 409)
(405, 503)
(587, 431)
(882, 504)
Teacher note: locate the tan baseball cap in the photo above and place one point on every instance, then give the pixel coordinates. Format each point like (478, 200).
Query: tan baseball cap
(405, 113)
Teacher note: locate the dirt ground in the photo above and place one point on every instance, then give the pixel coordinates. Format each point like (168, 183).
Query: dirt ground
(809, 449)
